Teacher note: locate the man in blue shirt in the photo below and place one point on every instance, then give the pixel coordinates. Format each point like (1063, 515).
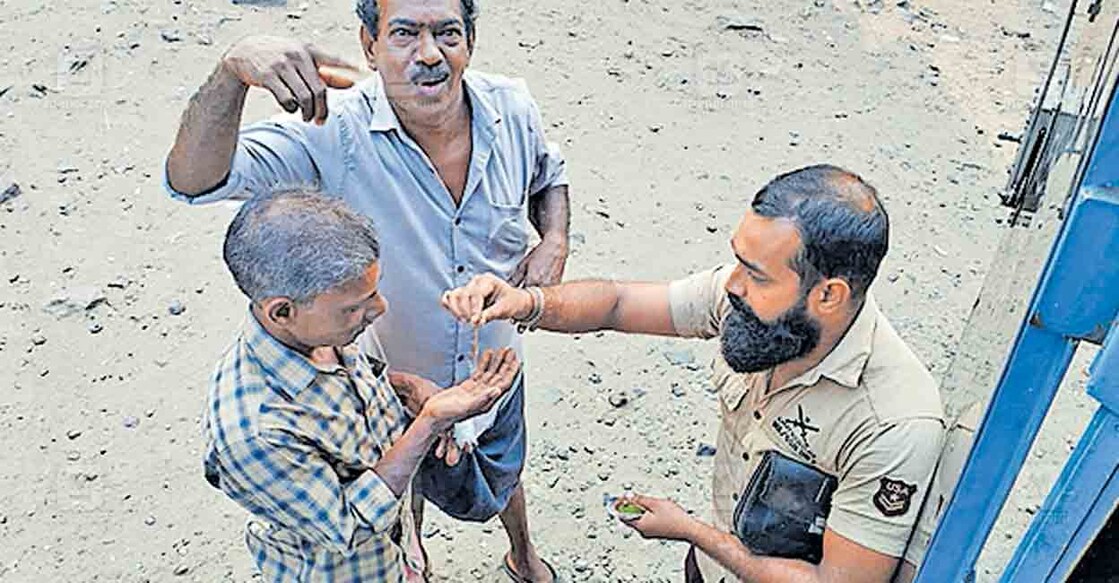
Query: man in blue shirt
(452, 165)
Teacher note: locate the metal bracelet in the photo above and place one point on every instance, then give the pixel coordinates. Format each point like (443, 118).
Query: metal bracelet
(533, 320)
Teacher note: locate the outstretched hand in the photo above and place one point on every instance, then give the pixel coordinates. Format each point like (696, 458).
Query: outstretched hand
(485, 299)
(492, 378)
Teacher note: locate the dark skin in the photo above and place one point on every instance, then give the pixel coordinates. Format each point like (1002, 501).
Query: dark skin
(417, 41)
(763, 249)
(415, 36)
(319, 328)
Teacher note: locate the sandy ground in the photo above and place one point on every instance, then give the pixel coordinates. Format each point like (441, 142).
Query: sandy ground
(669, 121)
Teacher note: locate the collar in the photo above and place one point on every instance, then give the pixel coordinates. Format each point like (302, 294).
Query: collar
(846, 362)
(384, 119)
(282, 364)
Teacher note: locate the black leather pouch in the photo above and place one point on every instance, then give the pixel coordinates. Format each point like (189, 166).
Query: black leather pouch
(784, 509)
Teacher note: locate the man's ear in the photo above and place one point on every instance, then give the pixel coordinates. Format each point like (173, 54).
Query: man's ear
(279, 311)
(834, 296)
(368, 48)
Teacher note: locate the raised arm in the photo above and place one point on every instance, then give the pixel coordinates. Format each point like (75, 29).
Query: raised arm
(203, 151)
(582, 306)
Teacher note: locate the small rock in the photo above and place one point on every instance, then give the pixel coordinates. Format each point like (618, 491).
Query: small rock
(73, 456)
(1009, 137)
(595, 378)
(618, 400)
(150, 521)
(176, 308)
(10, 192)
(181, 570)
(131, 422)
(705, 450)
(739, 23)
(1049, 7)
(95, 327)
(679, 357)
(74, 301)
(170, 35)
(677, 390)
(73, 434)
(38, 339)
(581, 566)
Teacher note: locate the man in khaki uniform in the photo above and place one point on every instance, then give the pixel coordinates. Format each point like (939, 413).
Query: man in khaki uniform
(809, 368)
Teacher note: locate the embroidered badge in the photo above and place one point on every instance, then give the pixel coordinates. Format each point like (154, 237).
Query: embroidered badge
(893, 497)
(795, 432)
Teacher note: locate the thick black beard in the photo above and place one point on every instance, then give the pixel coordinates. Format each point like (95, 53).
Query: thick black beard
(750, 345)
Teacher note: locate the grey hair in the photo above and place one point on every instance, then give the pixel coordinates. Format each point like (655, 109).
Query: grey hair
(298, 244)
(369, 11)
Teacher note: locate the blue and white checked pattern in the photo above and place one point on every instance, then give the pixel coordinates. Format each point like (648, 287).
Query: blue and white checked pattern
(294, 444)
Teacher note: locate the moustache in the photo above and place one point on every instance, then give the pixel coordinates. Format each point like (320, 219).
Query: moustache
(430, 74)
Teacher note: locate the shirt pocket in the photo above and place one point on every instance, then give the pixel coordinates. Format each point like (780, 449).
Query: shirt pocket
(507, 188)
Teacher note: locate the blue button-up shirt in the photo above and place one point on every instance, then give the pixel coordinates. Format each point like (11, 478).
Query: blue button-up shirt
(429, 245)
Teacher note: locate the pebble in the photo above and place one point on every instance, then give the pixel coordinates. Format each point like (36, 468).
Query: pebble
(38, 339)
(73, 434)
(705, 450)
(95, 327)
(131, 422)
(595, 378)
(677, 390)
(739, 23)
(618, 400)
(679, 357)
(76, 300)
(170, 35)
(150, 521)
(181, 570)
(10, 192)
(176, 308)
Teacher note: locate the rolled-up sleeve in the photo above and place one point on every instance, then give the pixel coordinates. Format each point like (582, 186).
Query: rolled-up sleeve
(550, 169)
(270, 155)
(288, 484)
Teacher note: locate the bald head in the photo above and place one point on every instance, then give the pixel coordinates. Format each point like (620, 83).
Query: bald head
(843, 227)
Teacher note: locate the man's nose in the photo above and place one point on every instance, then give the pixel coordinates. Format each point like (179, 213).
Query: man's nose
(428, 53)
(736, 283)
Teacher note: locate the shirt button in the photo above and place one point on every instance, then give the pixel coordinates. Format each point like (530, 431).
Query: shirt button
(461, 357)
(735, 496)
(458, 221)
(758, 415)
(460, 269)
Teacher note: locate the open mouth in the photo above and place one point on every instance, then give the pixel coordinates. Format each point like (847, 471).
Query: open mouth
(433, 83)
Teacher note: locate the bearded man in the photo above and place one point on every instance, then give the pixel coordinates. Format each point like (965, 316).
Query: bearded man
(830, 425)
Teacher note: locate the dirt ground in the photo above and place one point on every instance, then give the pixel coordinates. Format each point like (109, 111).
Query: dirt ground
(114, 304)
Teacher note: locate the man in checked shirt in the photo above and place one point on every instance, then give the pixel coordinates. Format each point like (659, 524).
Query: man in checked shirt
(302, 428)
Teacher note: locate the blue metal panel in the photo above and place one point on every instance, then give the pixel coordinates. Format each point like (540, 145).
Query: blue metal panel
(1083, 497)
(1076, 298)
(1104, 384)
(1029, 382)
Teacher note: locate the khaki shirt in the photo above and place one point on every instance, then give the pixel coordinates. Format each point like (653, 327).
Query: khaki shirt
(868, 414)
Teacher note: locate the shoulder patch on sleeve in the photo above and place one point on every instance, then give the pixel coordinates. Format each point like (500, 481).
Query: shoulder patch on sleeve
(894, 497)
